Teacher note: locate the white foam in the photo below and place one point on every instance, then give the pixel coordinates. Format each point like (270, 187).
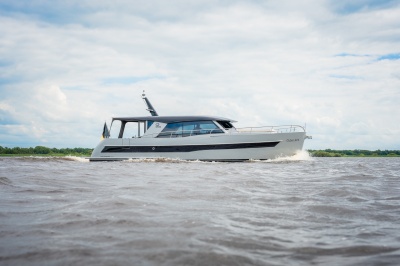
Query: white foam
(301, 155)
(155, 160)
(76, 159)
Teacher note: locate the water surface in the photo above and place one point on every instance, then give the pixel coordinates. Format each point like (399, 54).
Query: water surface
(289, 211)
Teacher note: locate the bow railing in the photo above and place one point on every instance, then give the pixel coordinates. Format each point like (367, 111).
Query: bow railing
(272, 129)
(244, 130)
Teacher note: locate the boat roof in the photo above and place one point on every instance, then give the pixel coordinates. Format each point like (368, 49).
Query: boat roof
(169, 119)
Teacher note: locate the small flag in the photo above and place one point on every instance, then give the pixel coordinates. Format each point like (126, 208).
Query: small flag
(106, 132)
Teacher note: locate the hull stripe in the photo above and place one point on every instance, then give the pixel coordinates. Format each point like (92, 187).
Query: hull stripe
(188, 148)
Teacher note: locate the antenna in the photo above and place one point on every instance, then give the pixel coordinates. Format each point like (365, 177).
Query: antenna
(150, 107)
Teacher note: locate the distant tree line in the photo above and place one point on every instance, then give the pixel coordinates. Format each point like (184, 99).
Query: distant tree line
(41, 150)
(354, 153)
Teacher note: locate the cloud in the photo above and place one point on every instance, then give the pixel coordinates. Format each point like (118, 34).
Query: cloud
(125, 80)
(67, 67)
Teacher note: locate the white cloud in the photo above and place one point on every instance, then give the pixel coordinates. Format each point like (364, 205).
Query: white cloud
(258, 62)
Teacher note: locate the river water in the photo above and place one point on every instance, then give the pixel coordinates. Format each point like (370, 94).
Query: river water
(289, 211)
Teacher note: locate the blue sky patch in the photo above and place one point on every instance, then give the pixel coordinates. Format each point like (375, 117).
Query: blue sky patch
(348, 54)
(48, 11)
(9, 80)
(349, 7)
(6, 118)
(389, 57)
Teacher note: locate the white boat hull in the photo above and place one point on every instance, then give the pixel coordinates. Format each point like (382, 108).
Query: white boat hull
(211, 147)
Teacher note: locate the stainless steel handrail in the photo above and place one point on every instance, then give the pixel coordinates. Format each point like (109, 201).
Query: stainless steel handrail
(272, 129)
(253, 130)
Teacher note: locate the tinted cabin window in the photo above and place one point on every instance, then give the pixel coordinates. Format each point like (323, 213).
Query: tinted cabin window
(186, 129)
(149, 123)
(172, 130)
(225, 124)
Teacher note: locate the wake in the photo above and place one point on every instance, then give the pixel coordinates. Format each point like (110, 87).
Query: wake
(302, 155)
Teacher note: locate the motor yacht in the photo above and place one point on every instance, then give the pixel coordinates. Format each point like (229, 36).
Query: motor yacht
(204, 138)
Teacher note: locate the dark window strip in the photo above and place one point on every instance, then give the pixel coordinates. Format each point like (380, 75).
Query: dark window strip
(188, 148)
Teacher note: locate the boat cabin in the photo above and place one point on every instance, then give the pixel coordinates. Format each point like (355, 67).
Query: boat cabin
(169, 126)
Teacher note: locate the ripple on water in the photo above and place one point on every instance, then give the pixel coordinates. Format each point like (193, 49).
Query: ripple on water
(5, 181)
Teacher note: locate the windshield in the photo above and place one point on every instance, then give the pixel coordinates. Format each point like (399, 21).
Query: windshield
(186, 129)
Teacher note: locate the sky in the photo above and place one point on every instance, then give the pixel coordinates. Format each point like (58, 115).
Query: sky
(66, 67)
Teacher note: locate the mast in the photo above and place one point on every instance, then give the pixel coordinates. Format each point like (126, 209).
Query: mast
(150, 107)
